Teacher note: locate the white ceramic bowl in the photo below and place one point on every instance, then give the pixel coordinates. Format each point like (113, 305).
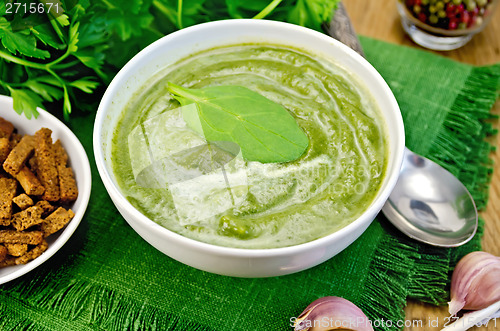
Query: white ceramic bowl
(224, 260)
(81, 167)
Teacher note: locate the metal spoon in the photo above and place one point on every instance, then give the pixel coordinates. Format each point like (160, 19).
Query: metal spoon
(428, 203)
(431, 205)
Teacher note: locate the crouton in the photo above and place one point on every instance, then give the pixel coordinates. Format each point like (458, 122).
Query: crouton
(4, 150)
(8, 188)
(16, 249)
(56, 221)
(46, 166)
(9, 261)
(23, 201)
(60, 153)
(67, 184)
(29, 182)
(3, 253)
(15, 138)
(27, 218)
(46, 207)
(6, 128)
(33, 254)
(16, 237)
(19, 154)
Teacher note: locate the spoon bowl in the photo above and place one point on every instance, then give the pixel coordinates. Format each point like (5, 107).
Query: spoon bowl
(431, 205)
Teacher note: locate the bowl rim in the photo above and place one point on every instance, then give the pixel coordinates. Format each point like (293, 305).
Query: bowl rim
(84, 189)
(123, 204)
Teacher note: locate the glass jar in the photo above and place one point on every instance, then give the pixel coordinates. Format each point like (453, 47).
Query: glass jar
(444, 24)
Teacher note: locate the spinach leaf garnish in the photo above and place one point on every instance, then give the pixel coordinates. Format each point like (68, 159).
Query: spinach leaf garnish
(264, 130)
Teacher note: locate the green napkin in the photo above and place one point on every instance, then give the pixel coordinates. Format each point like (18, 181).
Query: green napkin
(107, 277)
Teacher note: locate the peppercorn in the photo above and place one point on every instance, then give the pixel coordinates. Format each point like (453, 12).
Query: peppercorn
(449, 14)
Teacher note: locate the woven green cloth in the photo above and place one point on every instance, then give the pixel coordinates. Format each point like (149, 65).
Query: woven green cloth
(107, 277)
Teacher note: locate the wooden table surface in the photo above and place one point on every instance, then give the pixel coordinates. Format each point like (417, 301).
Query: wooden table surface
(379, 19)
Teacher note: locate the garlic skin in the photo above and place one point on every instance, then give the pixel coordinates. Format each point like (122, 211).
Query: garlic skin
(475, 283)
(330, 313)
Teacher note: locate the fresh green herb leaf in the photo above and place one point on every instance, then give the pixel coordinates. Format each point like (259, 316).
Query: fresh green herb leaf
(240, 8)
(87, 85)
(73, 38)
(22, 42)
(46, 35)
(90, 58)
(63, 20)
(66, 103)
(47, 92)
(312, 13)
(193, 12)
(48, 79)
(25, 101)
(264, 130)
(54, 57)
(94, 32)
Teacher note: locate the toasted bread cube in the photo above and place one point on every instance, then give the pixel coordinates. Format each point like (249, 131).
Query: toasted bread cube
(67, 184)
(8, 261)
(4, 149)
(29, 182)
(3, 253)
(8, 188)
(60, 153)
(23, 201)
(56, 221)
(16, 237)
(6, 128)
(15, 138)
(19, 154)
(32, 164)
(27, 218)
(46, 165)
(46, 207)
(16, 249)
(33, 254)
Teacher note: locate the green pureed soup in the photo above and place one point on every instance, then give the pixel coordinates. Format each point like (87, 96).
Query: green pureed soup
(248, 204)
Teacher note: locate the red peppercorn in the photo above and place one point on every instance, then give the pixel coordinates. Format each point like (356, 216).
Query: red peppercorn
(422, 17)
(450, 8)
(465, 18)
(460, 8)
(452, 25)
(472, 21)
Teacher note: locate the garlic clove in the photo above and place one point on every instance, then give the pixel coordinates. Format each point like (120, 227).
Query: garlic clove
(475, 283)
(330, 313)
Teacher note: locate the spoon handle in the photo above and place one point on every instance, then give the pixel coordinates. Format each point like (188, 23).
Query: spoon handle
(475, 318)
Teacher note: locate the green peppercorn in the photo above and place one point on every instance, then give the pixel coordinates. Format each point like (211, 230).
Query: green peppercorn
(462, 25)
(440, 5)
(457, 2)
(432, 9)
(441, 14)
(471, 5)
(482, 3)
(433, 19)
(425, 2)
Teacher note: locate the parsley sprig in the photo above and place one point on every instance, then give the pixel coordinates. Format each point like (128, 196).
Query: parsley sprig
(65, 62)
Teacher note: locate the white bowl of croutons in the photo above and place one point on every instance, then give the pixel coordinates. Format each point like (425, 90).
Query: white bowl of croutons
(45, 184)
